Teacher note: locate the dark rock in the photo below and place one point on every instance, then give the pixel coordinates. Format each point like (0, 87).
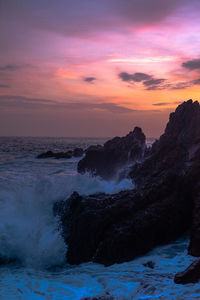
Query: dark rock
(193, 176)
(107, 160)
(178, 150)
(172, 150)
(58, 155)
(190, 275)
(78, 152)
(93, 148)
(149, 264)
(67, 154)
(6, 261)
(47, 154)
(116, 228)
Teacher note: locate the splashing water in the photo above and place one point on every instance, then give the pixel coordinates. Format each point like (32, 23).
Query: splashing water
(28, 229)
(29, 232)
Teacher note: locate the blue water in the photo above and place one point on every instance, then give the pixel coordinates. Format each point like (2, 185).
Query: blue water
(30, 233)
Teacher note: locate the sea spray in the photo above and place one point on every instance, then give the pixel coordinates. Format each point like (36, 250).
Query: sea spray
(27, 186)
(29, 230)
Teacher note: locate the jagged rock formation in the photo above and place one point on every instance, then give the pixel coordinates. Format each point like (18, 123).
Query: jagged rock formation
(107, 160)
(116, 228)
(172, 152)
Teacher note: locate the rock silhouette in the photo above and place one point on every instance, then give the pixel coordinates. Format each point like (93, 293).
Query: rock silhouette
(77, 152)
(107, 160)
(165, 203)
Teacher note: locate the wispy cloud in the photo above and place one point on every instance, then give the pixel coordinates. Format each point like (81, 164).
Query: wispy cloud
(89, 79)
(166, 103)
(193, 64)
(147, 80)
(135, 77)
(4, 86)
(37, 103)
(151, 83)
(143, 60)
(78, 17)
(161, 104)
(9, 67)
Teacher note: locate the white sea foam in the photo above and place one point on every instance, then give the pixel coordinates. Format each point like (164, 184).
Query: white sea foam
(28, 229)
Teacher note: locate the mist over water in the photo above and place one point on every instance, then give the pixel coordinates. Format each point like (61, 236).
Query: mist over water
(29, 232)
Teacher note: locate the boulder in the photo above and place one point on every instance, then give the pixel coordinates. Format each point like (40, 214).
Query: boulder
(190, 275)
(106, 161)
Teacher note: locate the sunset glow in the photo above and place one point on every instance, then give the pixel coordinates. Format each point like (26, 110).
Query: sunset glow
(106, 65)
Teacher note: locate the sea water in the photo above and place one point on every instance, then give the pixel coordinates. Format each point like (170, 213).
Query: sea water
(30, 236)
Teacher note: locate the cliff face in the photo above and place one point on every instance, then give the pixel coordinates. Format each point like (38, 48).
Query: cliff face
(172, 152)
(116, 228)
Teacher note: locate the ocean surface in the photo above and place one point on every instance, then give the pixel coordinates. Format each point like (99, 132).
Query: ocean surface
(30, 236)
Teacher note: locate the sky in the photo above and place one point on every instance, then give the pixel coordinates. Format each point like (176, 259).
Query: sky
(96, 68)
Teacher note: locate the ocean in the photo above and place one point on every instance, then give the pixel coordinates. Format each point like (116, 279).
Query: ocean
(30, 234)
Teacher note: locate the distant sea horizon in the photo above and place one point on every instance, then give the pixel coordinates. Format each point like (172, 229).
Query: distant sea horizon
(65, 137)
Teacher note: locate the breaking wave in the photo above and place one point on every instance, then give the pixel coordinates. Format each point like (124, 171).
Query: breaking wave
(28, 228)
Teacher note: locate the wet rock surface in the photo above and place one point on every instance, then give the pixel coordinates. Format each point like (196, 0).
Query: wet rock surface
(190, 275)
(107, 160)
(116, 228)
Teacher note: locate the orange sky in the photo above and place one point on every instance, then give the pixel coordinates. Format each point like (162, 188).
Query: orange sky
(74, 68)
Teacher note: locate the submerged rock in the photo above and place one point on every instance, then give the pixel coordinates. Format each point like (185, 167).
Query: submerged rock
(149, 264)
(116, 228)
(47, 154)
(190, 275)
(106, 161)
(77, 152)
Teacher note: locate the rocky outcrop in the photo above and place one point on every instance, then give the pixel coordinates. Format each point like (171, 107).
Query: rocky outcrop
(190, 275)
(116, 228)
(172, 152)
(106, 161)
(77, 152)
